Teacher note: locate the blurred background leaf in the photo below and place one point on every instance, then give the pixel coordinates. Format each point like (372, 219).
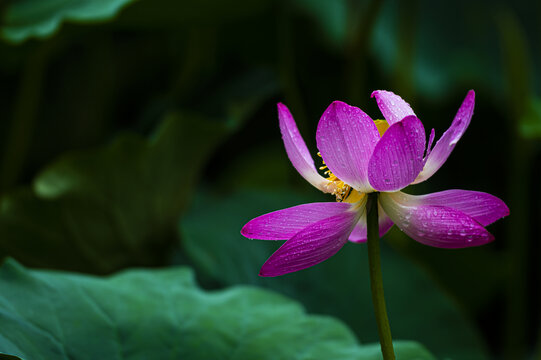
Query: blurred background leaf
(530, 124)
(171, 319)
(41, 18)
(105, 209)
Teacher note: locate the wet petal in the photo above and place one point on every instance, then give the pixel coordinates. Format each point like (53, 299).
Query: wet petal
(434, 225)
(392, 106)
(482, 207)
(346, 137)
(312, 245)
(430, 141)
(359, 232)
(398, 156)
(448, 140)
(284, 224)
(297, 151)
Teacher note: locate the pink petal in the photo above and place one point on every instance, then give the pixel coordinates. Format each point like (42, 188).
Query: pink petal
(392, 106)
(284, 224)
(398, 156)
(448, 140)
(434, 225)
(297, 151)
(358, 234)
(312, 245)
(429, 146)
(346, 137)
(482, 207)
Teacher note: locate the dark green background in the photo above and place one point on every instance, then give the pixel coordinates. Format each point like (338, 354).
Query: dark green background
(144, 134)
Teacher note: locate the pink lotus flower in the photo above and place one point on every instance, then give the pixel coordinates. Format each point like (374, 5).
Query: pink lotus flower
(362, 156)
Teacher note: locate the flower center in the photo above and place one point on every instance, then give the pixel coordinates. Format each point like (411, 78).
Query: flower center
(338, 188)
(382, 126)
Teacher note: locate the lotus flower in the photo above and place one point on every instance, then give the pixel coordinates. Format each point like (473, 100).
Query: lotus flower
(361, 156)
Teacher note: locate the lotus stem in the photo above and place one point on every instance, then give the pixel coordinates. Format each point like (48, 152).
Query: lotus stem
(376, 281)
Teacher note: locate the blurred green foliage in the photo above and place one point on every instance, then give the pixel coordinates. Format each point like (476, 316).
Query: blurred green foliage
(111, 207)
(530, 124)
(31, 18)
(118, 118)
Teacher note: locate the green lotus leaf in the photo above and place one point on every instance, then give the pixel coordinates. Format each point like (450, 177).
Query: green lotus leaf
(163, 314)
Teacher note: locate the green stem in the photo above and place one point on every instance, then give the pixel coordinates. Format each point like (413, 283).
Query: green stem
(376, 282)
